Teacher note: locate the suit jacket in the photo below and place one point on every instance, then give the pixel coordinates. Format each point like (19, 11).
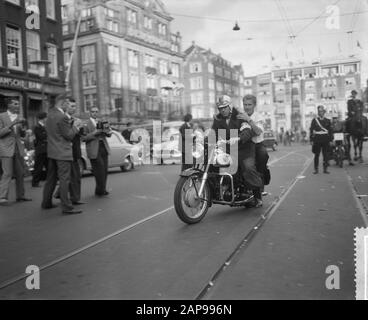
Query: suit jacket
(41, 139)
(76, 146)
(10, 139)
(93, 142)
(321, 138)
(60, 134)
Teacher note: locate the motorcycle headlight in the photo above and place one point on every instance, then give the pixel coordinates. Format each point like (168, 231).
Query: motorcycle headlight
(223, 159)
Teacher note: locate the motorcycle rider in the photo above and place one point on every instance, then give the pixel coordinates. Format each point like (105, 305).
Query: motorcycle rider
(227, 119)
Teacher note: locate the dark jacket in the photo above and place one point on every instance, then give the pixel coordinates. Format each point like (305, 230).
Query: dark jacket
(355, 107)
(219, 123)
(321, 138)
(40, 142)
(76, 146)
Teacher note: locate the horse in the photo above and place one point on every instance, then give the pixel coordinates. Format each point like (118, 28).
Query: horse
(358, 129)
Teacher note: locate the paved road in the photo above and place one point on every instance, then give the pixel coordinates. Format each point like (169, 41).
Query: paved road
(132, 245)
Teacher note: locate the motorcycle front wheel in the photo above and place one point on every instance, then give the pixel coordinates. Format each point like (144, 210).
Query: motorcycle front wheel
(189, 208)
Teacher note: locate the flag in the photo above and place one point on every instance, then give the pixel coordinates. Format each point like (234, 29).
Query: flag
(339, 46)
(319, 51)
(358, 45)
(302, 52)
(272, 57)
(286, 55)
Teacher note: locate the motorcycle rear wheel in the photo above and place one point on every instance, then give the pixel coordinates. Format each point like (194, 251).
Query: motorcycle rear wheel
(188, 207)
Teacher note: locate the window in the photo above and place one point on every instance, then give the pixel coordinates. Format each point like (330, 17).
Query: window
(88, 54)
(50, 9)
(350, 68)
(211, 84)
(219, 86)
(150, 82)
(33, 50)
(67, 55)
(211, 68)
(248, 91)
(110, 13)
(196, 83)
(32, 4)
(174, 47)
(86, 13)
(219, 71)
(163, 67)
(196, 98)
(148, 23)
(52, 57)
(89, 78)
(115, 79)
(149, 61)
(175, 68)
(310, 97)
(227, 74)
(14, 47)
(195, 67)
(65, 29)
(112, 26)
(132, 16)
(329, 71)
(310, 85)
(65, 11)
(350, 81)
(248, 82)
(133, 58)
(134, 81)
(113, 54)
(227, 88)
(162, 29)
(90, 100)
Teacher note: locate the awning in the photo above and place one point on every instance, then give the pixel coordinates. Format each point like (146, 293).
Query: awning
(34, 97)
(9, 93)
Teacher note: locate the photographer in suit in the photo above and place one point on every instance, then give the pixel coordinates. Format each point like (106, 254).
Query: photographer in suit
(12, 130)
(60, 134)
(98, 149)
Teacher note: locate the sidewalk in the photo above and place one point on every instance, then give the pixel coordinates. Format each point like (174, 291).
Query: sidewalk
(312, 229)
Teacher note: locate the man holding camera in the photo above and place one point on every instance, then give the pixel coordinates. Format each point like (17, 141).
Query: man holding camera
(12, 152)
(98, 150)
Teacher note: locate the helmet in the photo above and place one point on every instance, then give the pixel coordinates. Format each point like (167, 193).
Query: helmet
(224, 101)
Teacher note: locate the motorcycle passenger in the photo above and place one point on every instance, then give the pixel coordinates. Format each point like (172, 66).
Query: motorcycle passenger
(257, 122)
(228, 119)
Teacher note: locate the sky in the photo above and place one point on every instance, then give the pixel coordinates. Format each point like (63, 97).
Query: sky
(212, 21)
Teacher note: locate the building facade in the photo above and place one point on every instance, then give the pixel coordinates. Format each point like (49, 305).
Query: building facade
(126, 62)
(289, 96)
(30, 32)
(207, 76)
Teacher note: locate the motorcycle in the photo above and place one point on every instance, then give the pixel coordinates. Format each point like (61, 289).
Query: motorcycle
(206, 184)
(339, 151)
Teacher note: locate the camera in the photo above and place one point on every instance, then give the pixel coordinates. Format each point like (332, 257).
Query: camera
(103, 125)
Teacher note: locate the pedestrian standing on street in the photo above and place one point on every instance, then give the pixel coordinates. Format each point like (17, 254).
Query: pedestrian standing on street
(186, 130)
(321, 137)
(40, 143)
(75, 185)
(12, 152)
(98, 151)
(60, 134)
(127, 133)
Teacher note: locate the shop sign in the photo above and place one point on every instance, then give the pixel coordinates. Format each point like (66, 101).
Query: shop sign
(19, 83)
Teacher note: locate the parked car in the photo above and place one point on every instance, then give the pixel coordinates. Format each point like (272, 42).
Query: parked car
(123, 154)
(270, 140)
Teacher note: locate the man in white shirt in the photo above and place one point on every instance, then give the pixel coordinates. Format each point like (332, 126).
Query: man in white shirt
(256, 122)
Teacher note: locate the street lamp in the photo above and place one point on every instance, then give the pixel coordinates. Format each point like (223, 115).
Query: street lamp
(42, 65)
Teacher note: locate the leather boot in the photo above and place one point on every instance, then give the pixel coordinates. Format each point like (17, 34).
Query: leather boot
(315, 171)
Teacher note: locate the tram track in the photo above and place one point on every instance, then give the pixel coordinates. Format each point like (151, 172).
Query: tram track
(63, 258)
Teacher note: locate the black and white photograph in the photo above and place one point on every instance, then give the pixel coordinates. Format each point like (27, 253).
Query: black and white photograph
(202, 151)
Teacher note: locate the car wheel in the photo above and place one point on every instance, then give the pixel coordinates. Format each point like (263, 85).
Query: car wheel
(128, 165)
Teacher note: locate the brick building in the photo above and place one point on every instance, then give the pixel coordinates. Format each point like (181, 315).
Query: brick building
(27, 37)
(127, 61)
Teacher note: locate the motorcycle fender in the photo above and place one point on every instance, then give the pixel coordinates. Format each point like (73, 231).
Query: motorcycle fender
(189, 173)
